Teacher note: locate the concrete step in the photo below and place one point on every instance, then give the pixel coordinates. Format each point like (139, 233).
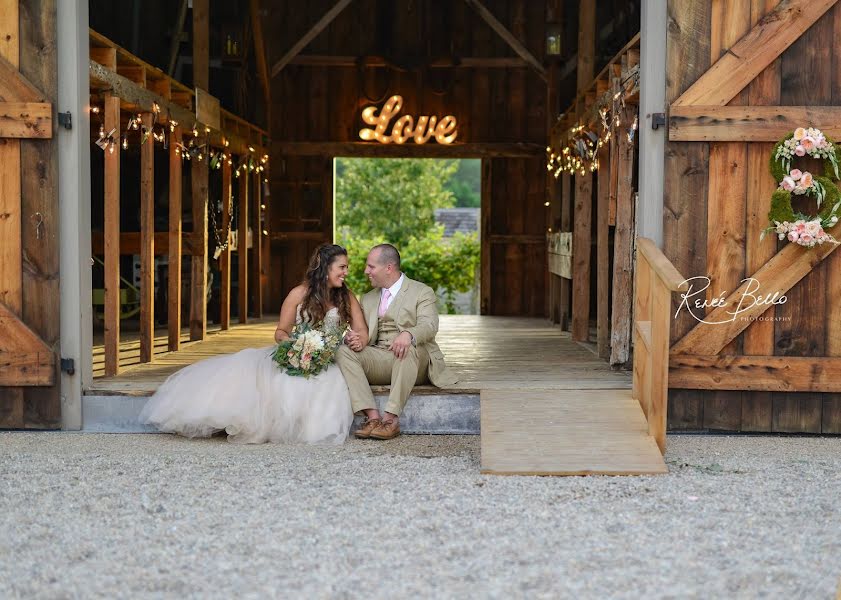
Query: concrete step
(425, 412)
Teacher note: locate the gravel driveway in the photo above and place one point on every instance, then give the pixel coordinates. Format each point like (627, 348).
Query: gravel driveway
(120, 516)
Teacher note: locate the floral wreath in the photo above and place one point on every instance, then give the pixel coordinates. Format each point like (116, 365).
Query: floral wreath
(805, 230)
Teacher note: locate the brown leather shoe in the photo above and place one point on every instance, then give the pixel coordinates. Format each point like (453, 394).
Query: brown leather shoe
(386, 430)
(368, 425)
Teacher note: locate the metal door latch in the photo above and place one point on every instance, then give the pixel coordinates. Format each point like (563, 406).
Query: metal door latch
(65, 119)
(68, 366)
(658, 120)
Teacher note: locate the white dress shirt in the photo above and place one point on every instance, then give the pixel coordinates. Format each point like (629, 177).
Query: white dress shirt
(392, 290)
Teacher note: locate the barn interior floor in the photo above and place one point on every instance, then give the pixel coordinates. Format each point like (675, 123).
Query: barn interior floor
(502, 353)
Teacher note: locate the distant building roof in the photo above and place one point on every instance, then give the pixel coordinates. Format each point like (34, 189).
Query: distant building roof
(464, 220)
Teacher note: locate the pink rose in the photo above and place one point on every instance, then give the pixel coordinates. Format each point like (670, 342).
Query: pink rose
(792, 236)
(799, 227)
(806, 180)
(808, 143)
(800, 151)
(806, 239)
(788, 184)
(799, 133)
(813, 228)
(796, 174)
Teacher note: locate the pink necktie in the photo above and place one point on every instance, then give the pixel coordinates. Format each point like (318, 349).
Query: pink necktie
(384, 303)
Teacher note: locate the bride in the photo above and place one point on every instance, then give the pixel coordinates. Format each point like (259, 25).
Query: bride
(248, 396)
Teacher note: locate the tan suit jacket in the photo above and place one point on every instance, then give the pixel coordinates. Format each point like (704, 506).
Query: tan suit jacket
(414, 310)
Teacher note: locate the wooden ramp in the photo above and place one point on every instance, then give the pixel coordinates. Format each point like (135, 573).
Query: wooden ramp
(566, 432)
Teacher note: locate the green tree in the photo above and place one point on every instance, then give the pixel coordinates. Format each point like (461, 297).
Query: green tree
(466, 183)
(394, 201)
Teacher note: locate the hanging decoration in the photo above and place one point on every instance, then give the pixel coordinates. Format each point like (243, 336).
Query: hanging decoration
(576, 149)
(799, 228)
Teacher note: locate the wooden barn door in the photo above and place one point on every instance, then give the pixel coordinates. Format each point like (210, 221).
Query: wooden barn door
(741, 74)
(29, 294)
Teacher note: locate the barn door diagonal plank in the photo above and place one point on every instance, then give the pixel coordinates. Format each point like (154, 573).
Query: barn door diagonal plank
(756, 50)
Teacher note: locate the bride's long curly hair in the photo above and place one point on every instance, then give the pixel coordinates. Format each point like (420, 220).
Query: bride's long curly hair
(319, 295)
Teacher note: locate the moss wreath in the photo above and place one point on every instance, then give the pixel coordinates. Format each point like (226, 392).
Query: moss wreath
(783, 220)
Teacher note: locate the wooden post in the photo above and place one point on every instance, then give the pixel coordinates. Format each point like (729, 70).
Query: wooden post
(623, 247)
(257, 236)
(201, 78)
(198, 277)
(485, 235)
(603, 254)
(242, 246)
(11, 254)
(112, 241)
(201, 44)
(147, 243)
(225, 256)
(174, 278)
(565, 286)
(582, 233)
(586, 43)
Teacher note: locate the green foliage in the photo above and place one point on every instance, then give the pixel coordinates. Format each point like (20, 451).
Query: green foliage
(781, 209)
(394, 201)
(466, 183)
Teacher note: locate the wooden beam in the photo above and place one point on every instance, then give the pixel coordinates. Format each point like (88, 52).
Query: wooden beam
(508, 37)
(463, 62)
(748, 123)
(27, 369)
(623, 248)
(257, 236)
(129, 243)
(14, 87)
(486, 306)
(376, 150)
(242, 247)
(586, 43)
(198, 277)
(309, 36)
(133, 73)
(147, 243)
(201, 44)
(755, 373)
(107, 57)
(756, 50)
(260, 55)
(582, 234)
(26, 120)
(138, 99)
(603, 265)
(175, 235)
(111, 249)
(225, 256)
(176, 37)
(780, 274)
(25, 359)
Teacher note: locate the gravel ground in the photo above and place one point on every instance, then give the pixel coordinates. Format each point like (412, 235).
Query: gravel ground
(119, 516)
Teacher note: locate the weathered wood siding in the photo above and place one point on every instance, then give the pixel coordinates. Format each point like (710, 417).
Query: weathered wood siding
(323, 104)
(717, 197)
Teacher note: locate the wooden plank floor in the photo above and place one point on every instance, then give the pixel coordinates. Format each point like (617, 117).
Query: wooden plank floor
(502, 353)
(566, 432)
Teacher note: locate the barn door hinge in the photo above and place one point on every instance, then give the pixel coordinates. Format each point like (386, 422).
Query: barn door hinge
(68, 365)
(65, 119)
(658, 120)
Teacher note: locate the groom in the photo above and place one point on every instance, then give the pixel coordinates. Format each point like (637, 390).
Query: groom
(401, 351)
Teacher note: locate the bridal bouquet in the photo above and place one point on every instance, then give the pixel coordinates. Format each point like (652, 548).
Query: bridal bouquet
(308, 352)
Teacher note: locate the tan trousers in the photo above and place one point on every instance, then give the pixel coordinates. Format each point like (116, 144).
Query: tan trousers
(377, 366)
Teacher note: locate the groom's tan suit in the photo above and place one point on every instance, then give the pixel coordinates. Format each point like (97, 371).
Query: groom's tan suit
(412, 309)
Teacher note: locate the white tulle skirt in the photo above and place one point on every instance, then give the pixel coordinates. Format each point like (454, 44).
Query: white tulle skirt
(253, 401)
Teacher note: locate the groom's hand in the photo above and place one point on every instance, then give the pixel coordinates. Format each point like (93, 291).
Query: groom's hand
(353, 341)
(401, 344)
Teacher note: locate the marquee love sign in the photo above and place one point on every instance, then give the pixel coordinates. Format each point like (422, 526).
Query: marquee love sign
(404, 127)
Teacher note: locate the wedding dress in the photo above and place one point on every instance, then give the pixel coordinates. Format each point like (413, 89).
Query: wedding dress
(249, 397)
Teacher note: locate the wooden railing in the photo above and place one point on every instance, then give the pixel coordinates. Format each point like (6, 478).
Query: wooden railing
(656, 279)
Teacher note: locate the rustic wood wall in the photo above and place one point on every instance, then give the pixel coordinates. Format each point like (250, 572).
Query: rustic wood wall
(492, 105)
(716, 201)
